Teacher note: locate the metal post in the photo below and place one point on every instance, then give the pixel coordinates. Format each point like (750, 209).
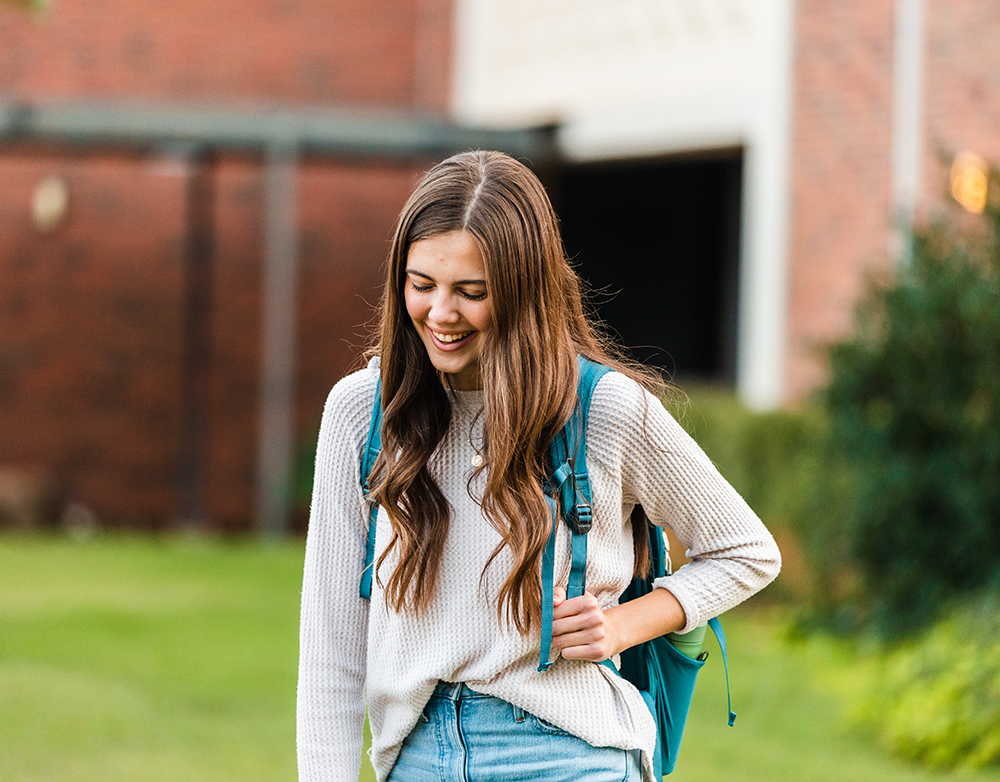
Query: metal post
(196, 336)
(277, 374)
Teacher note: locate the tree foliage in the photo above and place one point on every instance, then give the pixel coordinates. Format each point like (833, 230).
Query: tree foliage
(914, 406)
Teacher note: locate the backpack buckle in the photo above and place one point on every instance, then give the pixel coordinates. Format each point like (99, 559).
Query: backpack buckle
(579, 515)
(581, 518)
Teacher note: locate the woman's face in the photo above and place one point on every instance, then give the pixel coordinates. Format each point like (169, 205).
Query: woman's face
(447, 300)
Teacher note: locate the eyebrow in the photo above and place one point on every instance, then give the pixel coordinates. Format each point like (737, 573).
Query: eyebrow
(457, 282)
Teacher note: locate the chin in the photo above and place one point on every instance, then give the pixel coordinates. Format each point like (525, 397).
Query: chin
(448, 368)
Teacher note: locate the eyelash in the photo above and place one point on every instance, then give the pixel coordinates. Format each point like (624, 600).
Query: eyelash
(469, 296)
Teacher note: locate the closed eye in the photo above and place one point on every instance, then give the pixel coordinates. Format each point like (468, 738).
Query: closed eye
(474, 296)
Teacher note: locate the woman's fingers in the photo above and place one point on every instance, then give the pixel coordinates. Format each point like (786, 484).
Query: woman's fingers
(593, 652)
(586, 603)
(580, 628)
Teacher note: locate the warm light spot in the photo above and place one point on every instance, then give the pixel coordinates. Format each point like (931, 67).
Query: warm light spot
(49, 204)
(968, 181)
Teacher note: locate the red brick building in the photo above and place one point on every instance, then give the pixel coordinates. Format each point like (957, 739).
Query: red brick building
(766, 136)
(843, 147)
(92, 314)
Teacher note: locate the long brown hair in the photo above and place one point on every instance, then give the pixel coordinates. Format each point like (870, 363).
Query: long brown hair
(527, 367)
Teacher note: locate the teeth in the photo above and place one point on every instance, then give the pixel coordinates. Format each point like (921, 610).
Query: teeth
(451, 337)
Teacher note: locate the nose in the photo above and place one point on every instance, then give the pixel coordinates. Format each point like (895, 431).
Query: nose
(443, 309)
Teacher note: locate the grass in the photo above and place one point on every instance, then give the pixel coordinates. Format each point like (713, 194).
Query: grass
(174, 660)
(131, 659)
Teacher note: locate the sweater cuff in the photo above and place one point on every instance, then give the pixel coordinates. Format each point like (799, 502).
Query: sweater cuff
(691, 613)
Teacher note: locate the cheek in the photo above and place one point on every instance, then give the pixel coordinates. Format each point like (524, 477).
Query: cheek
(482, 317)
(413, 308)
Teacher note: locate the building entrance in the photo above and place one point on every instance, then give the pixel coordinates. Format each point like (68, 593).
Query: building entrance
(657, 241)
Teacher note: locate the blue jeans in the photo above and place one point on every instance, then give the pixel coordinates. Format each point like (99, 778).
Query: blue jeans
(464, 736)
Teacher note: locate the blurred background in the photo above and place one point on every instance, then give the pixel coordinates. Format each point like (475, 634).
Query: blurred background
(787, 206)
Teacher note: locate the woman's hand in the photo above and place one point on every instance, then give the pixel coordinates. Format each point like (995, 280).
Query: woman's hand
(581, 629)
(584, 632)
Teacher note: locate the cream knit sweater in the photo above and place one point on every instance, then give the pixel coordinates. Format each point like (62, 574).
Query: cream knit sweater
(353, 652)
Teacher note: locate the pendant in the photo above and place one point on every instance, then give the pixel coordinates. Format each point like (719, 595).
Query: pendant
(478, 460)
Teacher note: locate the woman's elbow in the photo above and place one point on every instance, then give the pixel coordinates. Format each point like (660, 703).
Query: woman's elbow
(770, 561)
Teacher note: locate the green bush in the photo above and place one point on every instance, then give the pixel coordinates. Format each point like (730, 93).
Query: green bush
(771, 458)
(937, 699)
(777, 461)
(914, 409)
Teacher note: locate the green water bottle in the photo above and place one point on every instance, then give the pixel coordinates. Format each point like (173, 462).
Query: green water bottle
(690, 644)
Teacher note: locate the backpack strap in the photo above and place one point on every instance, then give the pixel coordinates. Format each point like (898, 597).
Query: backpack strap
(568, 494)
(720, 636)
(372, 450)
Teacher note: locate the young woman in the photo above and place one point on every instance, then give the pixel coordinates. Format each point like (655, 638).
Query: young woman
(481, 324)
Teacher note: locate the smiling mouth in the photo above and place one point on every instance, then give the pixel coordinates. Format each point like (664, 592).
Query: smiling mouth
(449, 339)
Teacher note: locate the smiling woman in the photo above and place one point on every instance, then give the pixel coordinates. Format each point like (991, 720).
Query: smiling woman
(447, 300)
(482, 325)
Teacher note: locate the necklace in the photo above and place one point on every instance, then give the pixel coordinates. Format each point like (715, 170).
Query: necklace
(476, 440)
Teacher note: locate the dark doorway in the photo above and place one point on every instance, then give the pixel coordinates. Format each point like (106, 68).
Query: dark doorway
(657, 240)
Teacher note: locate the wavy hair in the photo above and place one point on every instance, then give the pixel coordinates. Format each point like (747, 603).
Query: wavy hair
(527, 366)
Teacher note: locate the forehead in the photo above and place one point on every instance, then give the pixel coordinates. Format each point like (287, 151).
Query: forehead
(448, 256)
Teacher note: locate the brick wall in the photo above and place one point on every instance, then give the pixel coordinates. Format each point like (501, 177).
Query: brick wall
(90, 325)
(367, 52)
(841, 155)
(91, 319)
(962, 81)
(92, 316)
(840, 207)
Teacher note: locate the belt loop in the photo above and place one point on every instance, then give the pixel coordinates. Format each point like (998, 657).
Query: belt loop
(518, 713)
(451, 690)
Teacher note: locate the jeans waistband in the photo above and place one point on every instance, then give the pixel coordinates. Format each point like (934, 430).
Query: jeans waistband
(455, 691)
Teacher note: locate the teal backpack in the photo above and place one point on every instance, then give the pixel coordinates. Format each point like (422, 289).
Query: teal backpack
(664, 676)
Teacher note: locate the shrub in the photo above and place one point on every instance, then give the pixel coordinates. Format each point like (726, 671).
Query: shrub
(914, 406)
(776, 461)
(937, 698)
(771, 458)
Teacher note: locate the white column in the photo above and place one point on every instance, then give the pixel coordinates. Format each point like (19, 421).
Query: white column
(907, 89)
(763, 317)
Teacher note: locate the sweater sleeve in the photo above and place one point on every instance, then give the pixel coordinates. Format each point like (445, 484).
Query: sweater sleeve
(334, 618)
(664, 470)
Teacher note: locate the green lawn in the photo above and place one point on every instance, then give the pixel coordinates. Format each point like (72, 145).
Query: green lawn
(145, 661)
(130, 659)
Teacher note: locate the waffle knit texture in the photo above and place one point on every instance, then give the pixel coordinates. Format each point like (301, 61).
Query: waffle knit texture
(354, 653)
